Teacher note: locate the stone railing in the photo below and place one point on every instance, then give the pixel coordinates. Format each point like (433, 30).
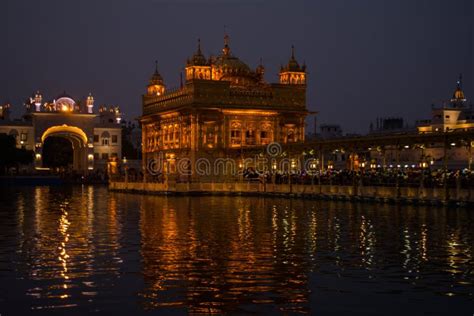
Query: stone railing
(407, 194)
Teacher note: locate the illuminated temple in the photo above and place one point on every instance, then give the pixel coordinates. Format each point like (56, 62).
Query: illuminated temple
(223, 109)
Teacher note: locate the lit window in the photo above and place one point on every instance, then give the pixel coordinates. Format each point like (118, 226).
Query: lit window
(250, 137)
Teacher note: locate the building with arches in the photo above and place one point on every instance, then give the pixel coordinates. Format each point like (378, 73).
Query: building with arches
(223, 108)
(95, 136)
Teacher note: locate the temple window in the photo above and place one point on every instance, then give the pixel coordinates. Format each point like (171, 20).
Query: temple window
(265, 137)
(176, 136)
(235, 134)
(235, 137)
(210, 136)
(250, 137)
(291, 137)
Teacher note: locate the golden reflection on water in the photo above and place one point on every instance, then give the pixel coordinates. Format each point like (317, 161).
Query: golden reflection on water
(367, 242)
(64, 243)
(63, 256)
(229, 254)
(210, 262)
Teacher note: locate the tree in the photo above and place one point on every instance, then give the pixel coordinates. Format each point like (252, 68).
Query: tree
(128, 149)
(12, 156)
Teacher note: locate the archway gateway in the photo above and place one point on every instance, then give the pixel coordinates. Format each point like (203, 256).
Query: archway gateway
(83, 158)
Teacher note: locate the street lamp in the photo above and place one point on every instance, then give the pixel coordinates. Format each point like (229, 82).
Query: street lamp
(313, 166)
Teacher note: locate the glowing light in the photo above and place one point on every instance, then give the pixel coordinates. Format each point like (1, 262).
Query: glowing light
(90, 157)
(38, 156)
(65, 129)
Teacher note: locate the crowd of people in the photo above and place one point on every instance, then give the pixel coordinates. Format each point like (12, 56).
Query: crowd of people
(377, 177)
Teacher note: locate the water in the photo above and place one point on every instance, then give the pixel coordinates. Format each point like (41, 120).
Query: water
(83, 249)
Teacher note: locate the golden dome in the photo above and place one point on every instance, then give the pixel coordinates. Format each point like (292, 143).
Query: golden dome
(230, 68)
(458, 96)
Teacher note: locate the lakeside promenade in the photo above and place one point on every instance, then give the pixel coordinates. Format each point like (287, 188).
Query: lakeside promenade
(383, 194)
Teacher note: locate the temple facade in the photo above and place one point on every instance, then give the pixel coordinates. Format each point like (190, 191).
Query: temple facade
(222, 110)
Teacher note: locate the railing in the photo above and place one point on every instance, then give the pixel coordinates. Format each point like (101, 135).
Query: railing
(335, 191)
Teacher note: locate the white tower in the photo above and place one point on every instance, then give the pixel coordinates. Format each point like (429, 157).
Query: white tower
(90, 103)
(38, 100)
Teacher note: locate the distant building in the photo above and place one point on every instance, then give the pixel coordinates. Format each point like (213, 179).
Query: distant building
(388, 125)
(330, 131)
(455, 114)
(95, 137)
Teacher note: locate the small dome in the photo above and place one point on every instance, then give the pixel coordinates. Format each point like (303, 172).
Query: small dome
(64, 102)
(293, 63)
(458, 94)
(198, 58)
(156, 78)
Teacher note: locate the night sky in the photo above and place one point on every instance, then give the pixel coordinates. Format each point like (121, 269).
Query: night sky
(366, 58)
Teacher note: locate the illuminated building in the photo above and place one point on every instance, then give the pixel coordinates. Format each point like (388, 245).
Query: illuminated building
(453, 115)
(95, 137)
(223, 108)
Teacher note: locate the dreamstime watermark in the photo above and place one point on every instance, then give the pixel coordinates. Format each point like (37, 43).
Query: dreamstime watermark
(272, 159)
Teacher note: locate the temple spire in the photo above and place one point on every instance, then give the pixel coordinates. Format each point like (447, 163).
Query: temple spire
(226, 49)
(459, 83)
(199, 46)
(292, 51)
(458, 98)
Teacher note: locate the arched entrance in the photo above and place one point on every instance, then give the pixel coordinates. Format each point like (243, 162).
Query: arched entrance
(58, 152)
(82, 156)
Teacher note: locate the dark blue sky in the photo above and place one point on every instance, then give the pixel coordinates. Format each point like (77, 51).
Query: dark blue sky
(366, 58)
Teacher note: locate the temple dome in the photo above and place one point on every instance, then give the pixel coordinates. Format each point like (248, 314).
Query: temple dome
(228, 67)
(231, 64)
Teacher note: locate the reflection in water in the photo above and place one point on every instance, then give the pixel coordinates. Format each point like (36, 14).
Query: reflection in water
(84, 249)
(367, 243)
(63, 256)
